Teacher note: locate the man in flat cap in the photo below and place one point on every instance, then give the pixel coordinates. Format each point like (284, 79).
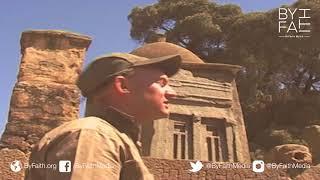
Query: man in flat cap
(123, 91)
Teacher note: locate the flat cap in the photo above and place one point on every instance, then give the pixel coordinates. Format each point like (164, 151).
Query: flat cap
(104, 68)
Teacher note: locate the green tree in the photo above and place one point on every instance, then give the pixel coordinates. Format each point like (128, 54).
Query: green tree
(281, 75)
(198, 25)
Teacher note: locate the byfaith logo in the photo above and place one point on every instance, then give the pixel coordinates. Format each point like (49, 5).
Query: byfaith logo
(294, 23)
(15, 166)
(196, 166)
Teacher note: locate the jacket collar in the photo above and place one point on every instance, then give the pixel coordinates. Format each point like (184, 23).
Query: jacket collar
(122, 122)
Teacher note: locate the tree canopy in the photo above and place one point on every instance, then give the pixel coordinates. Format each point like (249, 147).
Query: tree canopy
(198, 25)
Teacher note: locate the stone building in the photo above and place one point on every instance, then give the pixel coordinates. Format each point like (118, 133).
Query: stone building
(45, 94)
(206, 121)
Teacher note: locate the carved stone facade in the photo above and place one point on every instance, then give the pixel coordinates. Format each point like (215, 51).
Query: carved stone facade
(206, 121)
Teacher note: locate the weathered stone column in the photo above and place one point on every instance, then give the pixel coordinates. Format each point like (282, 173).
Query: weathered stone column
(45, 94)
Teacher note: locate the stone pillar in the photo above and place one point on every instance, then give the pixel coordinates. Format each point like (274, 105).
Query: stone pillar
(197, 140)
(230, 142)
(45, 94)
(158, 145)
(240, 134)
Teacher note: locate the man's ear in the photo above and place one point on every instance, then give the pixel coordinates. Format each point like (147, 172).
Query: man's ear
(121, 85)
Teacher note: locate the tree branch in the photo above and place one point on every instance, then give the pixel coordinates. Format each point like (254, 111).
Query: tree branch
(316, 79)
(182, 42)
(299, 78)
(314, 87)
(164, 28)
(308, 83)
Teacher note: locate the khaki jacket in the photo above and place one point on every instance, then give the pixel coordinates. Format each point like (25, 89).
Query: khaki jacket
(98, 148)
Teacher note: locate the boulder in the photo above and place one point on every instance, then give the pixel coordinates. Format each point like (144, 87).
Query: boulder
(311, 134)
(289, 153)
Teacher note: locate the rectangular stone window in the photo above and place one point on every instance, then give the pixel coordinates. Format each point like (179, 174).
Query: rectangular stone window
(215, 137)
(182, 137)
(213, 144)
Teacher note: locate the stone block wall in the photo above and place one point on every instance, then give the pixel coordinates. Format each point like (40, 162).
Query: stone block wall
(45, 94)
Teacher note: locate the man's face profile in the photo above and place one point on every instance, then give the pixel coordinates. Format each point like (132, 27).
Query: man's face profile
(150, 93)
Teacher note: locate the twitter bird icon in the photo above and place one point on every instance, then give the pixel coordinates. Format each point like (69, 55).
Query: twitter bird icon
(196, 166)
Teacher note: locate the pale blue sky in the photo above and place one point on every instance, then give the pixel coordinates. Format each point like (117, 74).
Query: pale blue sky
(105, 21)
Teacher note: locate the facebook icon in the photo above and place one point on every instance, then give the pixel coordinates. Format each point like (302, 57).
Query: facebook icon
(64, 166)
